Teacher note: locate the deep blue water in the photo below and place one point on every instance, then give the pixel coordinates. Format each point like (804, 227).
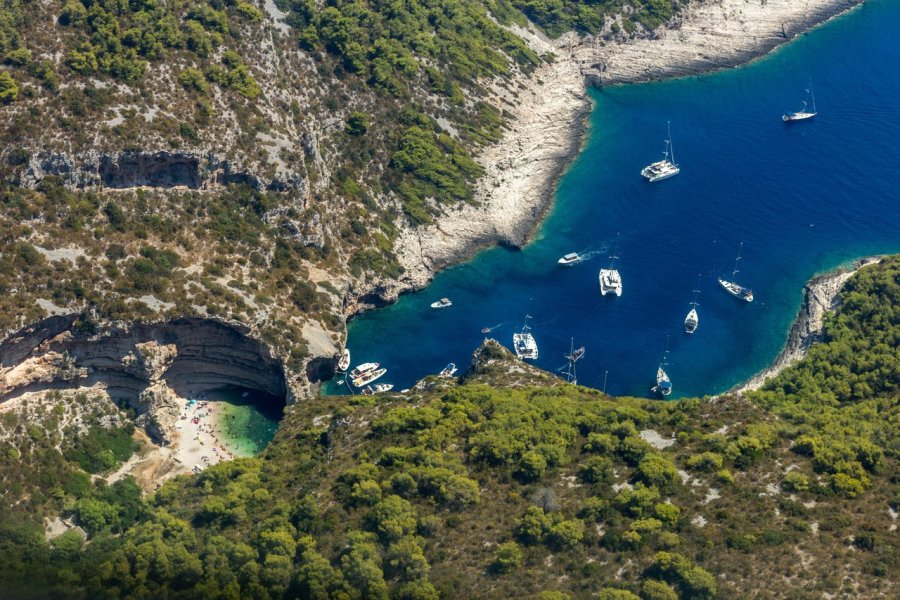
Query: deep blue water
(803, 198)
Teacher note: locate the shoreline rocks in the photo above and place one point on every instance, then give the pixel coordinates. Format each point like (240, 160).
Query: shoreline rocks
(821, 296)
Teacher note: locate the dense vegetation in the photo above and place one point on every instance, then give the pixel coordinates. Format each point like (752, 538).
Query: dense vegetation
(559, 16)
(519, 486)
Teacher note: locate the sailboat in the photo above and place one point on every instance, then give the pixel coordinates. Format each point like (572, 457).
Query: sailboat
(802, 114)
(665, 168)
(572, 357)
(733, 288)
(692, 320)
(610, 279)
(663, 383)
(524, 344)
(344, 361)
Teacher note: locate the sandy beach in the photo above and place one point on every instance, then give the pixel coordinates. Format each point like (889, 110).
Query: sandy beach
(200, 440)
(549, 110)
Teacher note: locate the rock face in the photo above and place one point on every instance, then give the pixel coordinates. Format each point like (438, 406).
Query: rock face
(127, 170)
(549, 110)
(148, 365)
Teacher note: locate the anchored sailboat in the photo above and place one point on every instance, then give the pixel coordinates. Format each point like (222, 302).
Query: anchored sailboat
(524, 344)
(803, 114)
(733, 288)
(663, 383)
(572, 357)
(692, 320)
(610, 279)
(665, 168)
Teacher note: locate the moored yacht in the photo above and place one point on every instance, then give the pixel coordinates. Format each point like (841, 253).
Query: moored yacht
(610, 279)
(803, 114)
(736, 290)
(524, 344)
(665, 168)
(448, 371)
(363, 368)
(663, 383)
(378, 388)
(368, 377)
(442, 303)
(344, 362)
(692, 320)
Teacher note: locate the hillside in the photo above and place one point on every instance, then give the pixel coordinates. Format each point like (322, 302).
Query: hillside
(510, 483)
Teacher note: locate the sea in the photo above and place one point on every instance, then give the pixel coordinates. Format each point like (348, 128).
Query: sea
(248, 418)
(802, 198)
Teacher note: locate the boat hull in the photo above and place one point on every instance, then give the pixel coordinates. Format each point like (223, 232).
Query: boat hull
(736, 290)
(610, 282)
(653, 178)
(794, 117)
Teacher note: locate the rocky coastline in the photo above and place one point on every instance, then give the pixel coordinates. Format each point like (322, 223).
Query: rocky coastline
(550, 110)
(821, 296)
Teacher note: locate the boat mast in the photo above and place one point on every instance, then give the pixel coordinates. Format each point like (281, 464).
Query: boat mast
(736, 260)
(570, 372)
(670, 149)
(696, 293)
(612, 259)
(813, 95)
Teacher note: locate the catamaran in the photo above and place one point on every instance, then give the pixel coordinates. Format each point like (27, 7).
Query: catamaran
(733, 288)
(448, 371)
(344, 362)
(663, 383)
(524, 344)
(665, 168)
(368, 377)
(442, 303)
(692, 320)
(610, 280)
(802, 114)
(572, 258)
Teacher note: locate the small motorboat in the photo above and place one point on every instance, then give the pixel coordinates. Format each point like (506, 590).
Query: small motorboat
(378, 388)
(442, 303)
(572, 258)
(448, 371)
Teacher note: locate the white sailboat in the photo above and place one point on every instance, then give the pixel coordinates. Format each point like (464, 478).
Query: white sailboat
(363, 368)
(665, 168)
(692, 320)
(803, 114)
(572, 357)
(610, 279)
(368, 377)
(524, 344)
(663, 383)
(738, 291)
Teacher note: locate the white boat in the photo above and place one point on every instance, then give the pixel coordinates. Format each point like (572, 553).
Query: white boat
(802, 114)
(363, 368)
(610, 279)
(368, 377)
(663, 383)
(692, 320)
(344, 362)
(665, 168)
(378, 388)
(442, 303)
(448, 371)
(572, 258)
(524, 344)
(738, 291)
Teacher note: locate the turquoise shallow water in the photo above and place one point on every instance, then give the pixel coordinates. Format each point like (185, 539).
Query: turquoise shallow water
(803, 198)
(248, 422)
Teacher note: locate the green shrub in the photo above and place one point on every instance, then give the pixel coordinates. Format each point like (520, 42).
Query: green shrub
(507, 558)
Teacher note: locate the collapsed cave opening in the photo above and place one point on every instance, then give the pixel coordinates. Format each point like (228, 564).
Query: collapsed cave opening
(151, 367)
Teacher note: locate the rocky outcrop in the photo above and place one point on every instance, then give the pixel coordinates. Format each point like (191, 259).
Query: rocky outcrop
(821, 296)
(148, 365)
(165, 170)
(548, 111)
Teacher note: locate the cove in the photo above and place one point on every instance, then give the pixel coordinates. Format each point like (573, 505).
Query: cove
(803, 198)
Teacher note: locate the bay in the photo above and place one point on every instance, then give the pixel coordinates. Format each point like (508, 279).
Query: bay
(802, 198)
